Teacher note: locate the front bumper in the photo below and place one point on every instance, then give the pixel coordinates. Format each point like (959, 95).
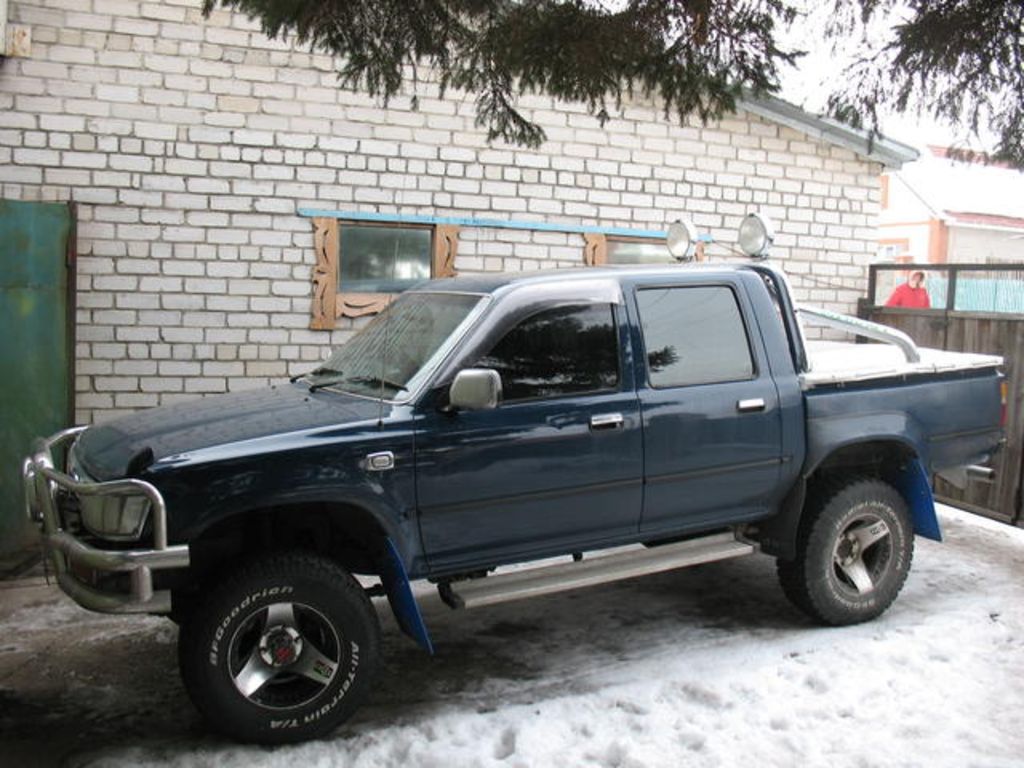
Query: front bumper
(70, 556)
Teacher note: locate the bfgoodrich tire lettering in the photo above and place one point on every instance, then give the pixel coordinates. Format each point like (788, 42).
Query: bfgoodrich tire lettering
(854, 556)
(283, 650)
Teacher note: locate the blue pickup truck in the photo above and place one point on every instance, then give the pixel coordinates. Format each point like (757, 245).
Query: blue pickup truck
(505, 436)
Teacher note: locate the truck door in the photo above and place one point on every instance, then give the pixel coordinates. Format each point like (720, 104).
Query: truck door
(556, 465)
(711, 417)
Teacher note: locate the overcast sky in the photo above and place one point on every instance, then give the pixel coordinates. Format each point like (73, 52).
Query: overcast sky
(810, 82)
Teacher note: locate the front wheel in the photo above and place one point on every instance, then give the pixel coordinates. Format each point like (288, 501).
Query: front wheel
(283, 650)
(855, 555)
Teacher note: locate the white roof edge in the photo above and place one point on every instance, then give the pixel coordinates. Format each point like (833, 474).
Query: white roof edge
(888, 152)
(951, 221)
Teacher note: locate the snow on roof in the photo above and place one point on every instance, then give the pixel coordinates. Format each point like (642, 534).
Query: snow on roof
(974, 191)
(987, 220)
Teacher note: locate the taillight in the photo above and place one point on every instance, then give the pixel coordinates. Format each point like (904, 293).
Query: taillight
(1004, 391)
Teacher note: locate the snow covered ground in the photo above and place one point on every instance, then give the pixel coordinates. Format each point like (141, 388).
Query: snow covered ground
(704, 667)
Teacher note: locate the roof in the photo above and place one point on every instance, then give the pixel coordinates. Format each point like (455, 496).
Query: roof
(987, 220)
(890, 153)
(969, 192)
(492, 282)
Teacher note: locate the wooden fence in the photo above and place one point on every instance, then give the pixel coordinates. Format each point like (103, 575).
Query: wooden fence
(976, 330)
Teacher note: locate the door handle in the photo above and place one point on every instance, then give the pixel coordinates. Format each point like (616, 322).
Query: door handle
(754, 404)
(606, 421)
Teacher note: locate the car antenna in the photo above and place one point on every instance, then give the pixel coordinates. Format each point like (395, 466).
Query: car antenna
(387, 339)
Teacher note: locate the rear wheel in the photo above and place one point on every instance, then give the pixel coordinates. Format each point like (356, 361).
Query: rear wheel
(855, 555)
(283, 650)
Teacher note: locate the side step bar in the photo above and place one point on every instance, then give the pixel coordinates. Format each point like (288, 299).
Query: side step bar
(543, 580)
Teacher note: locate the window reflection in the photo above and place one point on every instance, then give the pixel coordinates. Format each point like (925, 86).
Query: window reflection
(393, 351)
(382, 259)
(638, 252)
(559, 351)
(693, 336)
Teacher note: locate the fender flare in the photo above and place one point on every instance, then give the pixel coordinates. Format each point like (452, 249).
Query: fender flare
(400, 597)
(912, 483)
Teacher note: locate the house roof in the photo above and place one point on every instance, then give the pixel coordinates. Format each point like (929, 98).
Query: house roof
(971, 192)
(890, 153)
(987, 220)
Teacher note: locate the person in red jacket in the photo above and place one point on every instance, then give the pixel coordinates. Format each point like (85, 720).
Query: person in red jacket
(911, 294)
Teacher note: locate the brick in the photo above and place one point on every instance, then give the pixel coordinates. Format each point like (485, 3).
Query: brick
(36, 157)
(35, 103)
(155, 131)
(189, 197)
(83, 160)
(67, 177)
(44, 69)
(80, 142)
(201, 133)
(71, 55)
(120, 93)
(186, 167)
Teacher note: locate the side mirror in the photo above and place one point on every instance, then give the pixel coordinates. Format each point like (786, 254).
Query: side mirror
(475, 389)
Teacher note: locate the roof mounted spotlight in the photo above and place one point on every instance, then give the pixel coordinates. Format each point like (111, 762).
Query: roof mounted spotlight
(682, 240)
(756, 235)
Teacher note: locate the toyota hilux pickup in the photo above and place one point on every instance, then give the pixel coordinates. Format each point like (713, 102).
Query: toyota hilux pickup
(505, 436)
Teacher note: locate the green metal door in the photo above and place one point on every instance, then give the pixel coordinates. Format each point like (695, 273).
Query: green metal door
(36, 338)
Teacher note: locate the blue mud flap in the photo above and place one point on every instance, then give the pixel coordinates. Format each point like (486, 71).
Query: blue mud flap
(403, 604)
(913, 484)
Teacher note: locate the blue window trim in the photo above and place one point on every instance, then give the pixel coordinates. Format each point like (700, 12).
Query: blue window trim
(473, 221)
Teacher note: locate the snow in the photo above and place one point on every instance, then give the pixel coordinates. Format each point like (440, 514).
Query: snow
(949, 185)
(708, 666)
(840, 361)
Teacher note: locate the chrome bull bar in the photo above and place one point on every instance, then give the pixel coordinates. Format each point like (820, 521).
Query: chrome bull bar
(65, 552)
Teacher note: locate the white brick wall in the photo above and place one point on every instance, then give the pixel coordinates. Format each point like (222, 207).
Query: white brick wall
(189, 146)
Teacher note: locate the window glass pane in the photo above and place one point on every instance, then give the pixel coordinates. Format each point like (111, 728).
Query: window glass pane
(382, 259)
(558, 352)
(398, 347)
(638, 252)
(693, 336)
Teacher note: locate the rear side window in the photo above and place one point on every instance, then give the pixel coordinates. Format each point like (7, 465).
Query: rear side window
(560, 351)
(693, 336)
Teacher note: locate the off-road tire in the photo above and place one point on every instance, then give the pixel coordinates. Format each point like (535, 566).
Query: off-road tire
(818, 579)
(298, 619)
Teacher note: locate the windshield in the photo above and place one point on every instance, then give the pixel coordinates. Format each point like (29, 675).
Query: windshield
(400, 347)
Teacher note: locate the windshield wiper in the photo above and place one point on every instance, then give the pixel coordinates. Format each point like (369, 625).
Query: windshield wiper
(329, 383)
(377, 380)
(372, 380)
(315, 372)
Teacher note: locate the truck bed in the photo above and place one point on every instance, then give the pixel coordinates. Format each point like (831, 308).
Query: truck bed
(836, 362)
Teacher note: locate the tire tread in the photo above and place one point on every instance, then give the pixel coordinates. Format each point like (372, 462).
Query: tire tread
(299, 565)
(797, 583)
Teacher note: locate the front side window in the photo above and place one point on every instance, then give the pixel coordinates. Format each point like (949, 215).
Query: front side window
(561, 351)
(693, 335)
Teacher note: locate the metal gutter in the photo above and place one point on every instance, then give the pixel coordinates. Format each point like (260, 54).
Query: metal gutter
(890, 153)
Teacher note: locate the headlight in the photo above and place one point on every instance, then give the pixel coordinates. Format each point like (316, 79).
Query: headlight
(114, 517)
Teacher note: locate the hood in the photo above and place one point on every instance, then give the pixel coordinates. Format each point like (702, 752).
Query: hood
(128, 445)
